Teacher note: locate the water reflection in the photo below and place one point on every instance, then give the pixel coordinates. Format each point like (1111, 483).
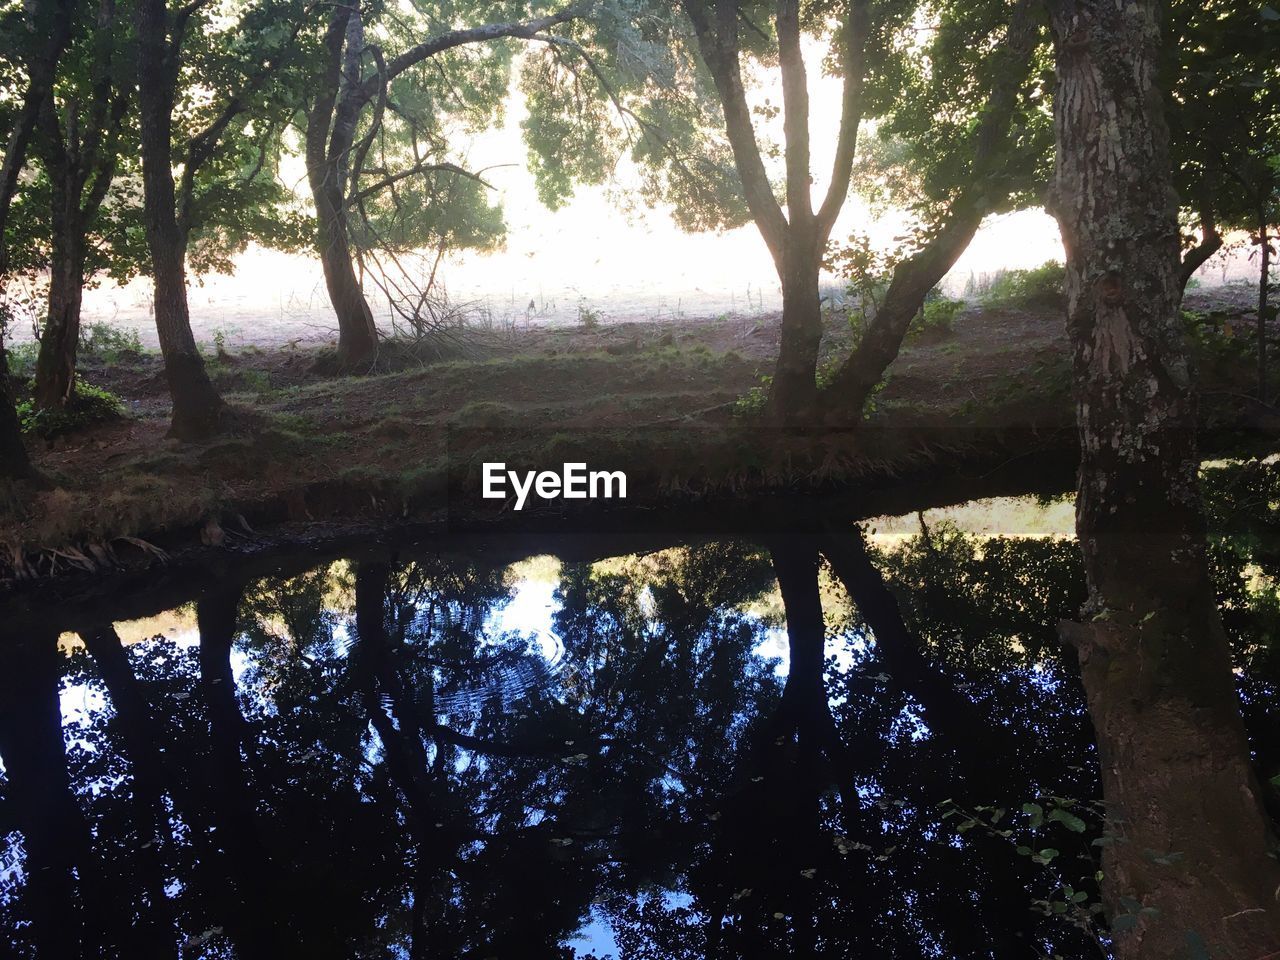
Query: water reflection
(443, 756)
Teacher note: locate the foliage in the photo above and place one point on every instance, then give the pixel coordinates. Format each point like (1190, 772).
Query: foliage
(920, 152)
(937, 316)
(589, 317)
(1041, 286)
(89, 406)
(104, 343)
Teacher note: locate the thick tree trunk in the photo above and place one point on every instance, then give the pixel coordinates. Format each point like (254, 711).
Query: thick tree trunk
(53, 21)
(56, 364)
(14, 463)
(357, 334)
(795, 387)
(197, 407)
(66, 920)
(1190, 839)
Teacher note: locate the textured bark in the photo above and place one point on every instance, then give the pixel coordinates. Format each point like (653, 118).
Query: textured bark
(1177, 777)
(56, 363)
(197, 406)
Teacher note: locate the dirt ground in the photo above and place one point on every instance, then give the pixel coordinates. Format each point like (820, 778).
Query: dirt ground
(662, 400)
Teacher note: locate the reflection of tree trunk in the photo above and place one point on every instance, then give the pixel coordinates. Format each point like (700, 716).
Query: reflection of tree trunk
(402, 742)
(948, 713)
(155, 934)
(1191, 839)
(984, 753)
(261, 914)
(54, 832)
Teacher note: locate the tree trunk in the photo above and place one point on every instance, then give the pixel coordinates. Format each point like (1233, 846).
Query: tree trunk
(65, 917)
(261, 918)
(1264, 290)
(56, 365)
(331, 124)
(53, 21)
(1190, 839)
(197, 407)
(794, 393)
(152, 931)
(357, 334)
(845, 397)
(14, 463)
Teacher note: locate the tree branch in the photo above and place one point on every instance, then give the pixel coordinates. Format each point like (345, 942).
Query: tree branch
(718, 44)
(851, 107)
(795, 116)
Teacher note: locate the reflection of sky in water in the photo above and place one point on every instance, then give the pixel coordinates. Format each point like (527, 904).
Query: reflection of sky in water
(528, 613)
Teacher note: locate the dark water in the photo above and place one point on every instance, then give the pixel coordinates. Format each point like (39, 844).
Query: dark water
(436, 754)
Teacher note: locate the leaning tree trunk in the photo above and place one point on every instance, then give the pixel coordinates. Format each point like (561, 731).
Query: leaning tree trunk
(197, 407)
(56, 364)
(331, 126)
(357, 334)
(1189, 836)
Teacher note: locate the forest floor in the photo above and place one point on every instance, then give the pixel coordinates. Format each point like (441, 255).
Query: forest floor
(661, 401)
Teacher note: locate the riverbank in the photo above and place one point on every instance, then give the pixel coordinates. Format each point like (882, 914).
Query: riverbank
(667, 403)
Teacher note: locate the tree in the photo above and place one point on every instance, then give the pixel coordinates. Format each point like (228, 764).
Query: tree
(352, 111)
(678, 87)
(42, 33)
(80, 128)
(1225, 121)
(170, 44)
(1192, 838)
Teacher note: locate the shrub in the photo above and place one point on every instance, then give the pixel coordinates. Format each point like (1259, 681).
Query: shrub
(937, 315)
(589, 317)
(1044, 285)
(108, 344)
(89, 405)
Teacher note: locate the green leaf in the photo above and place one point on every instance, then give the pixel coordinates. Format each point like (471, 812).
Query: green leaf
(1035, 812)
(1068, 820)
